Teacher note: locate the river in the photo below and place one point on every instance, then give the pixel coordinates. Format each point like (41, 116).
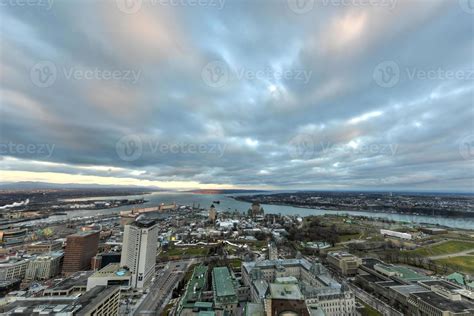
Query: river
(229, 204)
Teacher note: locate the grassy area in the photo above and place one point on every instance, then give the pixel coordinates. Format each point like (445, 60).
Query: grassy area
(448, 247)
(344, 238)
(235, 263)
(461, 264)
(183, 251)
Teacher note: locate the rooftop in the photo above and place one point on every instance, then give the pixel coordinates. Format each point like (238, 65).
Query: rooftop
(144, 223)
(77, 279)
(84, 233)
(285, 292)
(112, 269)
(443, 303)
(58, 305)
(223, 284)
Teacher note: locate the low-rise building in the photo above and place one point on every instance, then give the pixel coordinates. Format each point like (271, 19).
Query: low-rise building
(313, 280)
(13, 268)
(225, 294)
(112, 274)
(40, 247)
(344, 262)
(99, 301)
(72, 285)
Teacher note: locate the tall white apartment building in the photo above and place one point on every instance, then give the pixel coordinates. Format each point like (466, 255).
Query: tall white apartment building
(140, 241)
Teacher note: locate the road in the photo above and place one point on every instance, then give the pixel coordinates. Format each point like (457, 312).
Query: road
(160, 291)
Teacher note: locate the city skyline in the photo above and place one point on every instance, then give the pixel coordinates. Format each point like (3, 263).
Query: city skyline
(327, 95)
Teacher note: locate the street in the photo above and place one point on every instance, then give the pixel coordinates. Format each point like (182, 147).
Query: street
(160, 291)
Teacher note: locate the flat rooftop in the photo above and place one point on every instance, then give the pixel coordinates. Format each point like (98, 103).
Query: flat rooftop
(112, 269)
(445, 304)
(84, 233)
(77, 279)
(58, 305)
(223, 282)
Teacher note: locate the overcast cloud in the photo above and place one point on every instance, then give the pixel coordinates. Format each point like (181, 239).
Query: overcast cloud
(255, 94)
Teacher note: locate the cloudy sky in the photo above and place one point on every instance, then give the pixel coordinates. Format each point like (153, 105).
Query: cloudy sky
(298, 94)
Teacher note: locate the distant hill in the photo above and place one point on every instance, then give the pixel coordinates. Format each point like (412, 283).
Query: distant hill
(225, 191)
(31, 185)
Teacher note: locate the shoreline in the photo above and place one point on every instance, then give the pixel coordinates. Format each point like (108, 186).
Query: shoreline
(465, 215)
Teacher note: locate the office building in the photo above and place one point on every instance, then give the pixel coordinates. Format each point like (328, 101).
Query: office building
(317, 288)
(112, 274)
(73, 285)
(44, 247)
(100, 300)
(140, 241)
(344, 262)
(80, 248)
(12, 237)
(13, 268)
(212, 214)
(223, 287)
(44, 267)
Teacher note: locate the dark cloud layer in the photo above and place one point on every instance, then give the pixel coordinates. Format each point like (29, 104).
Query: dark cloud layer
(350, 94)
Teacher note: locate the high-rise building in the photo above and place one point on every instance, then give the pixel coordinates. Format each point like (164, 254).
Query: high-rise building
(212, 214)
(140, 241)
(80, 248)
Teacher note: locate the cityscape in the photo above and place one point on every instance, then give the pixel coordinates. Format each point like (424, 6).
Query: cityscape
(237, 158)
